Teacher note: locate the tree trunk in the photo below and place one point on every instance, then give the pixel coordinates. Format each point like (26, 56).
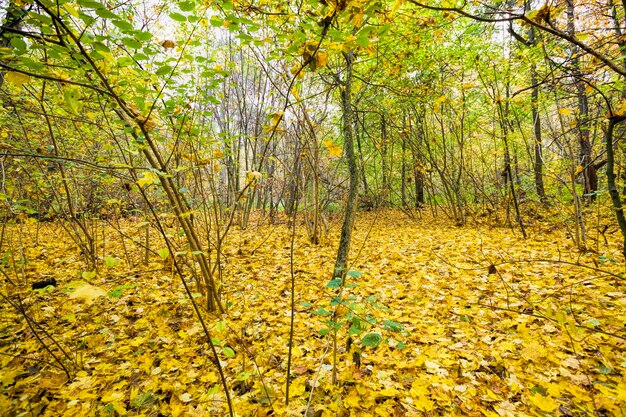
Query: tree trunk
(384, 194)
(12, 21)
(590, 176)
(341, 261)
(610, 175)
(534, 105)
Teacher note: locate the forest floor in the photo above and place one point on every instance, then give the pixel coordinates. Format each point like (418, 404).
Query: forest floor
(446, 320)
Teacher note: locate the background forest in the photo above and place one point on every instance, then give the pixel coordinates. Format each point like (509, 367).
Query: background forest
(312, 208)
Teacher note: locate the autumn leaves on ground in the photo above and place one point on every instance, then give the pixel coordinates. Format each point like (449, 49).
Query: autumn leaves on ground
(434, 320)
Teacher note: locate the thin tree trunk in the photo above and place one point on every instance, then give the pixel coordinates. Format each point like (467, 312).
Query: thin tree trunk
(590, 176)
(350, 212)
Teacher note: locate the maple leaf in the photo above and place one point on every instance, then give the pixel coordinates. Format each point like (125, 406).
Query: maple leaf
(544, 403)
(334, 150)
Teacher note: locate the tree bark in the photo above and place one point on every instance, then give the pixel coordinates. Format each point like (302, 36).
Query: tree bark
(341, 261)
(610, 177)
(12, 21)
(590, 176)
(534, 105)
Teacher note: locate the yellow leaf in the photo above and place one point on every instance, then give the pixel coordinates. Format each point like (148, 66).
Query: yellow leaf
(71, 9)
(334, 150)
(579, 169)
(119, 407)
(114, 396)
(352, 400)
(294, 91)
(389, 392)
(276, 118)
(396, 5)
(88, 293)
(185, 398)
(358, 19)
(424, 403)
(134, 391)
(565, 111)
(7, 376)
(421, 396)
(296, 389)
(16, 78)
(252, 176)
(321, 58)
(147, 179)
(547, 404)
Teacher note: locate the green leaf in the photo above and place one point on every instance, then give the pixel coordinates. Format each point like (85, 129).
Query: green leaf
(334, 283)
(604, 370)
(18, 44)
(140, 57)
(216, 22)
(372, 340)
(354, 274)
(324, 331)
(110, 261)
(392, 326)
(100, 47)
(106, 14)
(243, 376)
(125, 61)
(228, 352)
(123, 25)
(322, 312)
(178, 17)
(88, 275)
(164, 253)
(594, 322)
(131, 43)
(143, 400)
(186, 6)
(116, 292)
(91, 4)
(363, 39)
(143, 36)
(163, 70)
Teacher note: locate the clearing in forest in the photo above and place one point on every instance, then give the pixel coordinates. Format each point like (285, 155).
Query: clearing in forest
(434, 320)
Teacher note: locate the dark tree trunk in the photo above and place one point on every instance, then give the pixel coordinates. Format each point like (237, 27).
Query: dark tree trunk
(12, 22)
(590, 176)
(610, 176)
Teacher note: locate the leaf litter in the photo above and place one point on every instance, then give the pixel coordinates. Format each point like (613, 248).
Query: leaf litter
(467, 321)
